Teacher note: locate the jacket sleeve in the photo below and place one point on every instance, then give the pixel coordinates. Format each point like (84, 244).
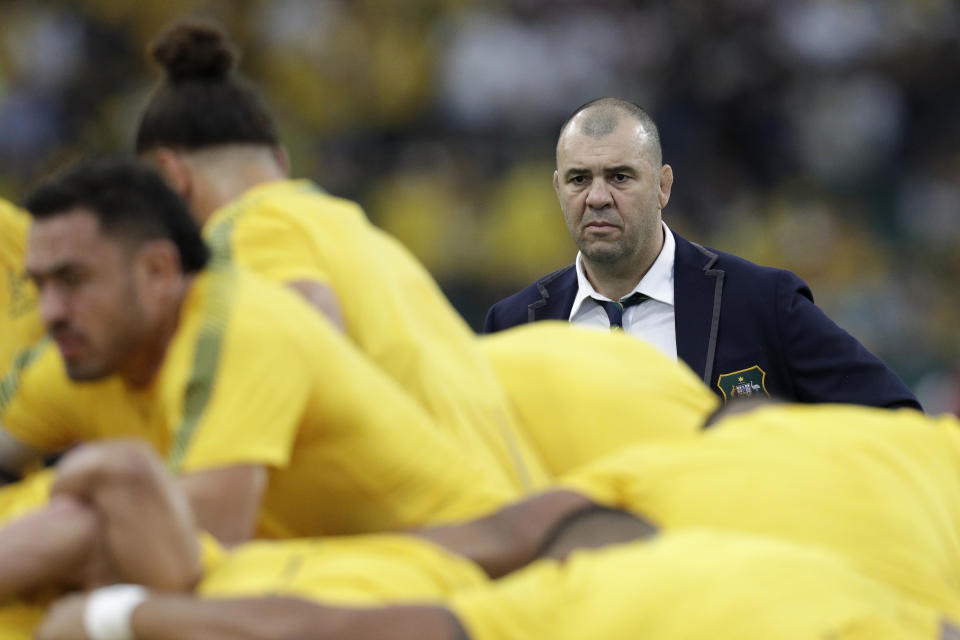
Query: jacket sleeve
(490, 322)
(827, 364)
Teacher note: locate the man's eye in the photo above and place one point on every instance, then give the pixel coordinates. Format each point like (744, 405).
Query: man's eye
(578, 180)
(620, 177)
(70, 279)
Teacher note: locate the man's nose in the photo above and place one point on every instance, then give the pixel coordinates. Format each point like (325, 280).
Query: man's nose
(53, 306)
(599, 196)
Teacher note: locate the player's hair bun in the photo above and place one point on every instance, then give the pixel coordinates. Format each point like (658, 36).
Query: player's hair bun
(194, 50)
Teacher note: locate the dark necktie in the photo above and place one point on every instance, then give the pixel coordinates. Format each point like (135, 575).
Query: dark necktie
(615, 309)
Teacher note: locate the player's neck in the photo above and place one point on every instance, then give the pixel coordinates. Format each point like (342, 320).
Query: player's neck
(145, 361)
(230, 174)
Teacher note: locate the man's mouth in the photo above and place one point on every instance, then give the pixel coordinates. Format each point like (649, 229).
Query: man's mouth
(600, 226)
(69, 344)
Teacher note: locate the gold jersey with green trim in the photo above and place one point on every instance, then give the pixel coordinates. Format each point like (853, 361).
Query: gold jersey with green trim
(881, 487)
(254, 376)
(20, 620)
(19, 498)
(581, 394)
(290, 231)
(20, 324)
(693, 584)
(348, 570)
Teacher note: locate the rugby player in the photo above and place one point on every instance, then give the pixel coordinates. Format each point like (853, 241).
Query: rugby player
(819, 519)
(694, 583)
(277, 424)
(213, 139)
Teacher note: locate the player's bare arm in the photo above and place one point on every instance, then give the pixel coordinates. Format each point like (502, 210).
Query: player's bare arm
(110, 503)
(225, 502)
(137, 504)
(171, 617)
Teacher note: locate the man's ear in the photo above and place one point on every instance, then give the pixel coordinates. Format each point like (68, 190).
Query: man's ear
(175, 170)
(157, 264)
(666, 184)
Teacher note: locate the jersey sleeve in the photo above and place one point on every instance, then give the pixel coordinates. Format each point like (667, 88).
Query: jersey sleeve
(36, 400)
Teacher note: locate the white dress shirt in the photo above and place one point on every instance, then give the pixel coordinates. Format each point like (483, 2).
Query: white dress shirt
(652, 320)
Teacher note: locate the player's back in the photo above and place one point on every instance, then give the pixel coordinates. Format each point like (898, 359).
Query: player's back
(20, 322)
(581, 394)
(881, 487)
(393, 310)
(693, 584)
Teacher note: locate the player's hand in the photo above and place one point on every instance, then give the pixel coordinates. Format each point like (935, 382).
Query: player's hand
(64, 619)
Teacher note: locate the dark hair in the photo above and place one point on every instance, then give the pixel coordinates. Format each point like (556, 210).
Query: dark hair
(201, 102)
(129, 199)
(605, 126)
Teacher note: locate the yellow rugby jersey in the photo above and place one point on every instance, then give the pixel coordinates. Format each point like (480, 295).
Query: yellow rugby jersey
(351, 570)
(581, 394)
(882, 487)
(392, 308)
(254, 376)
(20, 324)
(31, 493)
(695, 584)
(19, 620)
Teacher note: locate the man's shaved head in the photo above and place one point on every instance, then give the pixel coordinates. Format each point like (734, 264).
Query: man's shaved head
(600, 117)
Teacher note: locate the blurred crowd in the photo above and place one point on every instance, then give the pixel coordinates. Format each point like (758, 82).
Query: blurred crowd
(816, 135)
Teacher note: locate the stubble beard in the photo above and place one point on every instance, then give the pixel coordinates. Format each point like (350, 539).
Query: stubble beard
(609, 255)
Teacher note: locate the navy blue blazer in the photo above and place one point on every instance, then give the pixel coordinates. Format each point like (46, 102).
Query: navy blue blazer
(743, 328)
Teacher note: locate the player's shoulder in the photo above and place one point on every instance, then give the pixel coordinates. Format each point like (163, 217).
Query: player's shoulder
(305, 198)
(283, 200)
(11, 216)
(231, 298)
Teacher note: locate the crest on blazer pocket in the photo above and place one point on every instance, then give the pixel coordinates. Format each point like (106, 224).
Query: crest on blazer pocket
(745, 383)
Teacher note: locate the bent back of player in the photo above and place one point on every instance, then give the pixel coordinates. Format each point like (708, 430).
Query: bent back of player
(211, 137)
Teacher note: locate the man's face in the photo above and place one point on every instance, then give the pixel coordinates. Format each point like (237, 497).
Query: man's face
(611, 189)
(89, 300)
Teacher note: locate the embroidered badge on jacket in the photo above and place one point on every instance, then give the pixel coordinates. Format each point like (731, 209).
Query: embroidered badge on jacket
(745, 383)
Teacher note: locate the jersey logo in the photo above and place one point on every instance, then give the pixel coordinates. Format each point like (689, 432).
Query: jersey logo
(745, 383)
(22, 300)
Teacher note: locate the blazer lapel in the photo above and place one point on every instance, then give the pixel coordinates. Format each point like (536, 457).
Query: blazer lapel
(698, 289)
(557, 292)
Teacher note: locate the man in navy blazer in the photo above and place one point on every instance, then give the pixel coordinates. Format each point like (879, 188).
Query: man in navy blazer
(746, 330)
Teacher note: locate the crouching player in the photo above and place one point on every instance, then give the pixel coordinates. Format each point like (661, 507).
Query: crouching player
(117, 498)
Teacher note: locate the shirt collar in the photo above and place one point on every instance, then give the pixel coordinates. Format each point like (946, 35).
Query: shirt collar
(657, 282)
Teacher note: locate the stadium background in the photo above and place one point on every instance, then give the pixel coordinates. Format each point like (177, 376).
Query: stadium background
(819, 136)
